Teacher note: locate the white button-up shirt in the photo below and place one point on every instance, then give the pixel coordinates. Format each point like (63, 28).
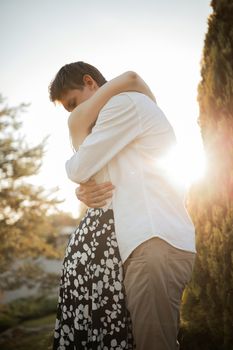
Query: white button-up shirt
(125, 147)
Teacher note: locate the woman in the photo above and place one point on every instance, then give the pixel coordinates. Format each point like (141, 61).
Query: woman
(92, 312)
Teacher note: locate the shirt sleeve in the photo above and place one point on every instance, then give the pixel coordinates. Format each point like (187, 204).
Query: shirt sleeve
(117, 125)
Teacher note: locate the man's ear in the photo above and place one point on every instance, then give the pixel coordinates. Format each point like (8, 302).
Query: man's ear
(89, 82)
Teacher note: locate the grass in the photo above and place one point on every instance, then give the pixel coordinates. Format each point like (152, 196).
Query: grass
(40, 339)
(42, 321)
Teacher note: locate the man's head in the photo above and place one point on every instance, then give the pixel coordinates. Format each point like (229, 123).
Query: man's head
(75, 83)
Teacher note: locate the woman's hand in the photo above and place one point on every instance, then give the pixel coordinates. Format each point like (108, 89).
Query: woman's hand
(94, 195)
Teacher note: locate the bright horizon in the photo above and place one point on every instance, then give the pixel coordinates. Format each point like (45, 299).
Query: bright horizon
(162, 42)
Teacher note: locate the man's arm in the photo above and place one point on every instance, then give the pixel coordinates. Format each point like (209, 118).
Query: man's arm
(117, 125)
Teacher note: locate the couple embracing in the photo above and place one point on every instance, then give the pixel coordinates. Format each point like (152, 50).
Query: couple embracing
(127, 263)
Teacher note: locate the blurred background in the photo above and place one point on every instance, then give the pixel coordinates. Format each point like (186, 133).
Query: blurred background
(161, 40)
(183, 50)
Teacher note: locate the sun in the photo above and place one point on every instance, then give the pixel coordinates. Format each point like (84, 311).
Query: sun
(183, 165)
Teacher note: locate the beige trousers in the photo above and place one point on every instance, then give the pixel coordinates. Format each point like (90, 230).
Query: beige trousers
(155, 275)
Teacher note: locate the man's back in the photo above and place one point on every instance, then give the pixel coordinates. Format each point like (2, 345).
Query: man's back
(146, 203)
(130, 137)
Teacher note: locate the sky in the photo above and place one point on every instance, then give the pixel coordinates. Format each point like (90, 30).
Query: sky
(160, 40)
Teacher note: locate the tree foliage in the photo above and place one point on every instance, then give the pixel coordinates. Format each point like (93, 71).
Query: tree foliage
(208, 303)
(24, 208)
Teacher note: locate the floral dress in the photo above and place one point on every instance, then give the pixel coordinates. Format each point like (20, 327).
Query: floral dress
(91, 311)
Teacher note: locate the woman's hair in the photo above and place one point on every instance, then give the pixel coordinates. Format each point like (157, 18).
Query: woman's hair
(70, 76)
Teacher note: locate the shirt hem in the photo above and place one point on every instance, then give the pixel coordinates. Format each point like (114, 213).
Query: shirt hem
(124, 258)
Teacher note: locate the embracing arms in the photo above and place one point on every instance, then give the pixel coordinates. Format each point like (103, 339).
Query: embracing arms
(81, 121)
(84, 116)
(117, 126)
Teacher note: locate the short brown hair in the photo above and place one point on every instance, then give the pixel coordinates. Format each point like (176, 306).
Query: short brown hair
(70, 76)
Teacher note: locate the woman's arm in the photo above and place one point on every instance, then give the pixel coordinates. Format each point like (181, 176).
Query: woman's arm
(84, 116)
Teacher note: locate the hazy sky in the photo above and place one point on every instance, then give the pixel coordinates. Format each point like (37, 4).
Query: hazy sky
(160, 40)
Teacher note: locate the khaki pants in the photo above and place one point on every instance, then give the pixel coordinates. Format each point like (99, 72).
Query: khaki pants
(155, 275)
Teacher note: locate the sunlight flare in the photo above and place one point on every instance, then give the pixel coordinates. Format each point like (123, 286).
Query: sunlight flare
(183, 166)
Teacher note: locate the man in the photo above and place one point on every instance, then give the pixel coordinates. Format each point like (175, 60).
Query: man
(156, 236)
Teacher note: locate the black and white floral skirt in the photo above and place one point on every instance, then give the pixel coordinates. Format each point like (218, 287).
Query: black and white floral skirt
(91, 311)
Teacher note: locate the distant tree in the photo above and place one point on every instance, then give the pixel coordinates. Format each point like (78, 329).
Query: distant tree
(61, 219)
(24, 208)
(208, 302)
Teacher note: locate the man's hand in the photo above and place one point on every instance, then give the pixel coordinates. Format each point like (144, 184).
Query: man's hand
(94, 195)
